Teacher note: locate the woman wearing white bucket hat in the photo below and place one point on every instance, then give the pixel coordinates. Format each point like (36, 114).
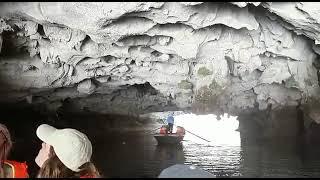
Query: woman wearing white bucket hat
(64, 153)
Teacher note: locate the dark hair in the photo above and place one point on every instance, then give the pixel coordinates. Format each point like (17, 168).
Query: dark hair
(54, 168)
(5, 146)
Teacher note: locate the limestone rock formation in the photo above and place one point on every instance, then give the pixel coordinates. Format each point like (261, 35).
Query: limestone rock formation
(140, 57)
(303, 17)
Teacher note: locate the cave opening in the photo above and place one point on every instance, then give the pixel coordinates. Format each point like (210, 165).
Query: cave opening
(122, 136)
(219, 131)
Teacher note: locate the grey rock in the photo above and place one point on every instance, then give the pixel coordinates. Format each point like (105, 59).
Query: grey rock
(228, 57)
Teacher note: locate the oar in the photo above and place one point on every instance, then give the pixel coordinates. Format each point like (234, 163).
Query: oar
(190, 132)
(196, 135)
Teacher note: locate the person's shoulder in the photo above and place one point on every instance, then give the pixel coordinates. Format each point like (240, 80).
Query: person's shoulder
(16, 169)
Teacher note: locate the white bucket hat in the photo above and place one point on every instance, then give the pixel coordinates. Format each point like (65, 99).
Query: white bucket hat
(71, 146)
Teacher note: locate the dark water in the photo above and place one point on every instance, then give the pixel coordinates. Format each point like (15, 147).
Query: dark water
(138, 155)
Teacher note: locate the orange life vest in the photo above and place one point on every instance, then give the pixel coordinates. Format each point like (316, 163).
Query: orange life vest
(20, 170)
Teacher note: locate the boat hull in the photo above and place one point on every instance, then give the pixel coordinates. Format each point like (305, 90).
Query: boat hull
(168, 138)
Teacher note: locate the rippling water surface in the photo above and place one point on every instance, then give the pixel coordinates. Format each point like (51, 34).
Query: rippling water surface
(138, 155)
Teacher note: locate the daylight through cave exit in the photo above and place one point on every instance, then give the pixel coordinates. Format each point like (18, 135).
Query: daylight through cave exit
(218, 131)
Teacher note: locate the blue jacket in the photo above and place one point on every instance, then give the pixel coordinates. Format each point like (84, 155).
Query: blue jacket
(170, 119)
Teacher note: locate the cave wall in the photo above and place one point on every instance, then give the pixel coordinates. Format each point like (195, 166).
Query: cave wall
(138, 57)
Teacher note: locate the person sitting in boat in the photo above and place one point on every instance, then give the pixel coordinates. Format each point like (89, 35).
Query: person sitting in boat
(164, 129)
(65, 153)
(9, 168)
(180, 131)
(170, 121)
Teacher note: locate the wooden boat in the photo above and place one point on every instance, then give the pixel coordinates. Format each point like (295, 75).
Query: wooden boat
(168, 138)
(163, 137)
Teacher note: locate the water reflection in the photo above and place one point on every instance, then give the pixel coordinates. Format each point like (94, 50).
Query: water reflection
(208, 127)
(169, 155)
(137, 155)
(279, 159)
(141, 157)
(220, 160)
(134, 155)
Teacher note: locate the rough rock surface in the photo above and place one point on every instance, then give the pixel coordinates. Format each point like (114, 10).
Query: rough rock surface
(144, 56)
(303, 17)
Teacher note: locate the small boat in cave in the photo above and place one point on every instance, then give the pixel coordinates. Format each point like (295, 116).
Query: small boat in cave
(163, 137)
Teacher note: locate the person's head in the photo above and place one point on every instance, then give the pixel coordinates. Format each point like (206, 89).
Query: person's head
(5, 146)
(5, 142)
(64, 153)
